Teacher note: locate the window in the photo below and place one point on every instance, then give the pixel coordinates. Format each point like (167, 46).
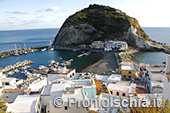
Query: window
(111, 92)
(117, 93)
(65, 107)
(129, 76)
(124, 76)
(123, 94)
(6, 83)
(86, 93)
(129, 72)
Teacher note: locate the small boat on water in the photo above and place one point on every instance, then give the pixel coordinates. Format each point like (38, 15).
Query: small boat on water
(50, 47)
(16, 70)
(41, 67)
(66, 63)
(74, 49)
(52, 62)
(25, 52)
(60, 58)
(70, 60)
(87, 53)
(25, 67)
(80, 55)
(27, 73)
(44, 49)
(10, 73)
(32, 51)
(16, 51)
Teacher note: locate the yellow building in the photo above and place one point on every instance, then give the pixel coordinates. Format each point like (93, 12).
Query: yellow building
(127, 70)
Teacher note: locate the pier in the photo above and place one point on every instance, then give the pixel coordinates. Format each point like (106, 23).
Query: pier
(15, 66)
(21, 51)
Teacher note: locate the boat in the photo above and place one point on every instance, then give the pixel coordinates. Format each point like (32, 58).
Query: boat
(44, 49)
(20, 52)
(16, 51)
(16, 70)
(52, 62)
(25, 67)
(87, 53)
(70, 60)
(41, 67)
(27, 73)
(10, 73)
(25, 52)
(66, 63)
(60, 58)
(80, 55)
(74, 49)
(32, 51)
(50, 47)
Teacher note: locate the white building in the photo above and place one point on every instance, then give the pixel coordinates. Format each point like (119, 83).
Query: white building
(156, 74)
(114, 78)
(122, 89)
(25, 104)
(66, 73)
(63, 91)
(102, 109)
(8, 83)
(88, 86)
(37, 85)
(53, 78)
(107, 49)
(166, 91)
(108, 79)
(153, 76)
(102, 78)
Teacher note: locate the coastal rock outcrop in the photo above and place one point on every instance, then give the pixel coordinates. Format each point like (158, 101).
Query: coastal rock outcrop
(103, 23)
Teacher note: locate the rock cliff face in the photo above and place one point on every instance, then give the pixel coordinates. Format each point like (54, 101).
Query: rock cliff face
(101, 23)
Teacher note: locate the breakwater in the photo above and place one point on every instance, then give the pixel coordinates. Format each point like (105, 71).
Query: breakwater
(21, 51)
(16, 66)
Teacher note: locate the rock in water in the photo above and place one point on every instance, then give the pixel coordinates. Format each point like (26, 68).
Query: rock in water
(103, 23)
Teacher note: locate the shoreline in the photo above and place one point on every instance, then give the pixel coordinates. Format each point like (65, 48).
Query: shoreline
(36, 49)
(101, 57)
(106, 65)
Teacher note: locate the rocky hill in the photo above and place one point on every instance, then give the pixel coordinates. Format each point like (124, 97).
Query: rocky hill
(98, 22)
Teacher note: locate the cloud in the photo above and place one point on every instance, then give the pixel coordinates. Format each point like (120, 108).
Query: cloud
(65, 10)
(32, 22)
(18, 12)
(39, 16)
(55, 8)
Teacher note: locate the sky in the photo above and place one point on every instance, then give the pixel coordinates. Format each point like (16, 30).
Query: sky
(34, 14)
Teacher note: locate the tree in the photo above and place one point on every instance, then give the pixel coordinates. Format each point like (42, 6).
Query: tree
(3, 106)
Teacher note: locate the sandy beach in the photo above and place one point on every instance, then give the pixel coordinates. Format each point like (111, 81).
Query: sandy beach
(106, 65)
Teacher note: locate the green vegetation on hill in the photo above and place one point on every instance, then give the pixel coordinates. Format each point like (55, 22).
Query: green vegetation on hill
(111, 21)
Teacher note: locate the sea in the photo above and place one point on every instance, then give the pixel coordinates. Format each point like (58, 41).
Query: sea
(42, 37)
(159, 34)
